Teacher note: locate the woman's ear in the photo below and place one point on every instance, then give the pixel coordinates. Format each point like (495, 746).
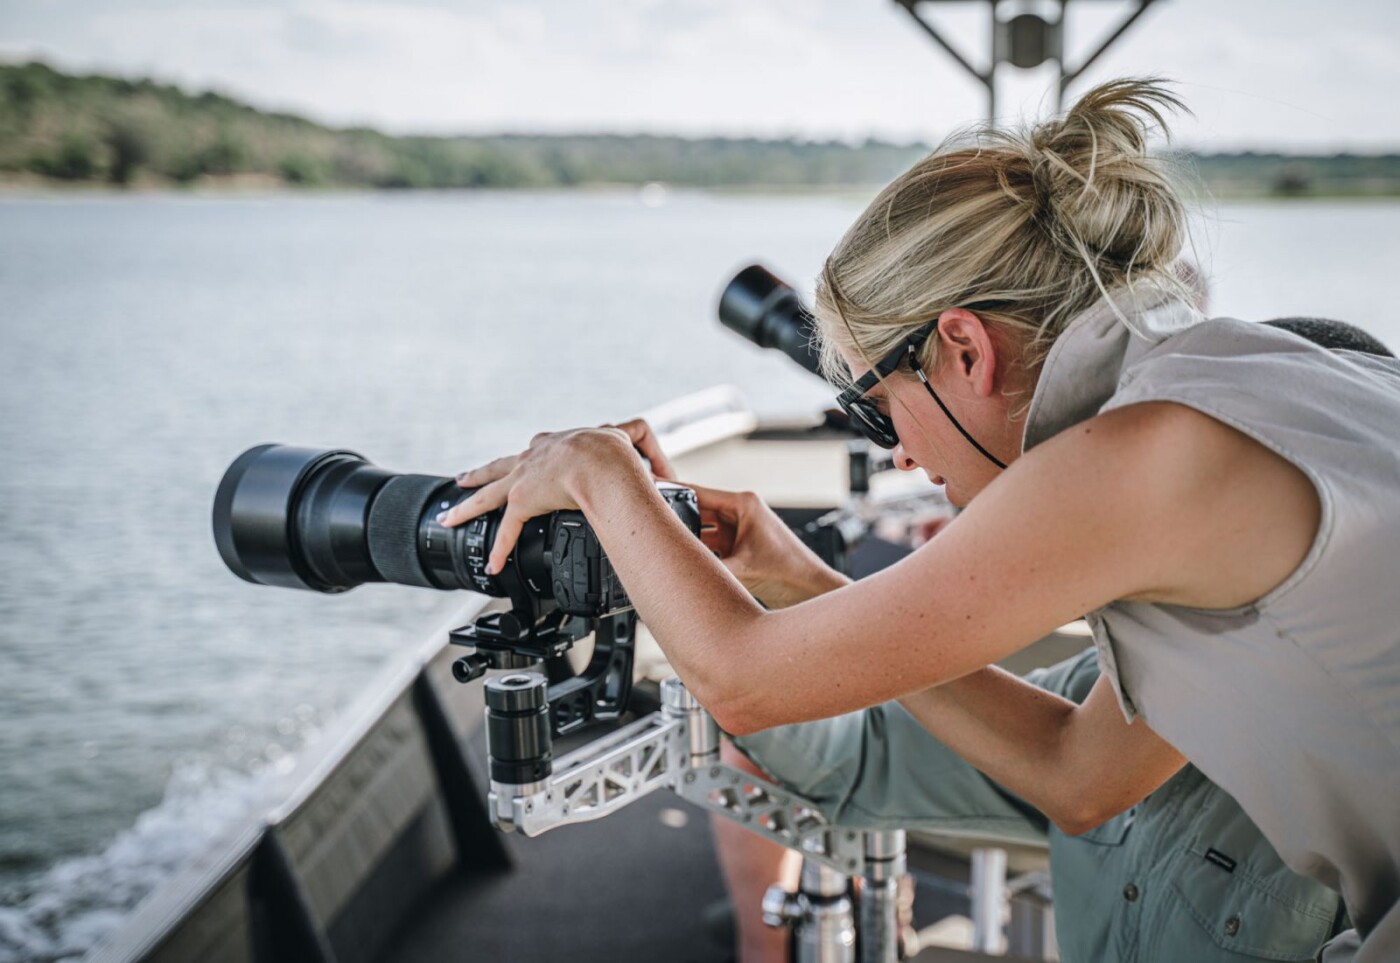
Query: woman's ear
(967, 350)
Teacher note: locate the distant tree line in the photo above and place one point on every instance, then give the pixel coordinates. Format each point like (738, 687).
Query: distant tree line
(109, 129)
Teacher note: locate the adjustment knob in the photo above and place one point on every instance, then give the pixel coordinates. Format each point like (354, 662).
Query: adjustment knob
(518, 739)
(470, 667)
(520, 693)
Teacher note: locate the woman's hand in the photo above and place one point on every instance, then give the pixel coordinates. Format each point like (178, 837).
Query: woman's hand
(547, 476)
(648, 446)
(762, 552)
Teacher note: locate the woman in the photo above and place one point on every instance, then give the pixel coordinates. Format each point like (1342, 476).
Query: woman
(1219, 499)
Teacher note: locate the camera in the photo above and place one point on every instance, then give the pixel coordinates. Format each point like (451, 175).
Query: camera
(328, 520)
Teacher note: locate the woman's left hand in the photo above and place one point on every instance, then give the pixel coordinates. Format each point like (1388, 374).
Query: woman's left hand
(545, 477)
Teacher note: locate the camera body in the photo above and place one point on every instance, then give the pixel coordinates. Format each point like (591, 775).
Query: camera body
(571, 567)
(558, 557)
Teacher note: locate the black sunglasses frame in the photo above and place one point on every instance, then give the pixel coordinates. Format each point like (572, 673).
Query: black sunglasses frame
(878, 427)
(874, 424)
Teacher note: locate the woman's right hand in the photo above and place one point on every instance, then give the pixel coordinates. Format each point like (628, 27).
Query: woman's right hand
(762, 552)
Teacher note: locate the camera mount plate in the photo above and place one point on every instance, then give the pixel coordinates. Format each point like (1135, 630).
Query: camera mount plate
(503, 640)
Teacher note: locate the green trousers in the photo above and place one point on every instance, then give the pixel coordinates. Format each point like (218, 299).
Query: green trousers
(1183, 877)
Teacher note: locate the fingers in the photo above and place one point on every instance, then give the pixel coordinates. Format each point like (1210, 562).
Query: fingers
(646, 442)
(484, 500)
(508, 531)
(477, 477)
(716, 534)
(742, 510)
(723, 503)
(507, 534)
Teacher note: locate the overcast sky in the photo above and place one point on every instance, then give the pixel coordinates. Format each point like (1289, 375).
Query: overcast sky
(1259, 73)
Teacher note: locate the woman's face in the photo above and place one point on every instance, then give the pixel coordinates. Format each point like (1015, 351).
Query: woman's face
(967, 381)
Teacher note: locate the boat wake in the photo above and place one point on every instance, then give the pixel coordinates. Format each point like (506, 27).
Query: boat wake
(80, 901)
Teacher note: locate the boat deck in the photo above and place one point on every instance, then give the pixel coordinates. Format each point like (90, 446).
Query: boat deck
(638, 885)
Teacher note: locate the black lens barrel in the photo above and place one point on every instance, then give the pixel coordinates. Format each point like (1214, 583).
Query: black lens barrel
(332, 513)
(328, 520)
(394, 522)
(255, 524)
(767, 311)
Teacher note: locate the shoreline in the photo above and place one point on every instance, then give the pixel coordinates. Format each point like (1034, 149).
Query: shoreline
(257, 186)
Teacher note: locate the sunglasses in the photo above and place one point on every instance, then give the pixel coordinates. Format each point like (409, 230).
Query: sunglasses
(873, 423)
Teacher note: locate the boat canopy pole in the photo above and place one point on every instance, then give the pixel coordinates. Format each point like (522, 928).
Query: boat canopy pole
(1025, 40)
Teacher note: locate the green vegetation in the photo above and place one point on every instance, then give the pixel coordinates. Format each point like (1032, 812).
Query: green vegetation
(96, 128)
(121, 132)
(1291, 175)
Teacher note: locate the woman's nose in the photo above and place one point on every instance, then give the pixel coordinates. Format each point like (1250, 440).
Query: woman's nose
(901, 459)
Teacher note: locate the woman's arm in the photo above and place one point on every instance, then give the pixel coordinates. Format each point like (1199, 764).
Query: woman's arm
(1059, 534)
(1078, 764)
(1152, 501)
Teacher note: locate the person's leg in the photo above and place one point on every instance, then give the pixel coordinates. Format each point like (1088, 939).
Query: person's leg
(750, 865)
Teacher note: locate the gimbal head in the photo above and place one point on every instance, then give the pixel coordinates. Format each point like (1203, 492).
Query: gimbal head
(533, 634)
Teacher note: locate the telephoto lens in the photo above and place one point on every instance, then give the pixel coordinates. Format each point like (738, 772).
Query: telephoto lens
(767, 311)
(329, 520)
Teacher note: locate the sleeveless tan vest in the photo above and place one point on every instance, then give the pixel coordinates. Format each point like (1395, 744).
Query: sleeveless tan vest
(1292, 704)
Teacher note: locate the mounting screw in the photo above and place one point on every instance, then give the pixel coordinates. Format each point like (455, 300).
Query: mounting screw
(690, 777)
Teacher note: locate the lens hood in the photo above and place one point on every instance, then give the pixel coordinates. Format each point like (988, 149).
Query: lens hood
(254, 514)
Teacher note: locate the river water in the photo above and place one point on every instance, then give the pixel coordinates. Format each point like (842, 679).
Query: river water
(147, 340)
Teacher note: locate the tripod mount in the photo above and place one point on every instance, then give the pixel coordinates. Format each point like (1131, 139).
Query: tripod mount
(529, 640)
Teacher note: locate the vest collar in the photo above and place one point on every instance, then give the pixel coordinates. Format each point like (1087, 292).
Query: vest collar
(1086, 364)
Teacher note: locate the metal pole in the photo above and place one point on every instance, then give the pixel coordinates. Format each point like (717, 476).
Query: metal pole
(879, 896)
(1031, 930)
(1069, 77)
(988, 892)
(1061, 82)
(825, 930)
(991, 80)
(702, 732)
(985, 78)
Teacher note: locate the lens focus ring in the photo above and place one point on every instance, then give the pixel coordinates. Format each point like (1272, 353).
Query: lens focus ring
(392, 528)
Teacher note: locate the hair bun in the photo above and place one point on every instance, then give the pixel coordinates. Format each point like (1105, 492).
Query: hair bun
(1034, 225)
(1102, 196)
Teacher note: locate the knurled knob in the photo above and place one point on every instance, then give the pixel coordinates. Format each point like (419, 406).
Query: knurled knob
(517, 693)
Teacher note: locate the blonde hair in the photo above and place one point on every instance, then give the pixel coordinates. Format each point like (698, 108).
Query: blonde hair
(1026, 228)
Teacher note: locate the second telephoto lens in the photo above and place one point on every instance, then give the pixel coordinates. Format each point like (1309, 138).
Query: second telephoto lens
(767, 311)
